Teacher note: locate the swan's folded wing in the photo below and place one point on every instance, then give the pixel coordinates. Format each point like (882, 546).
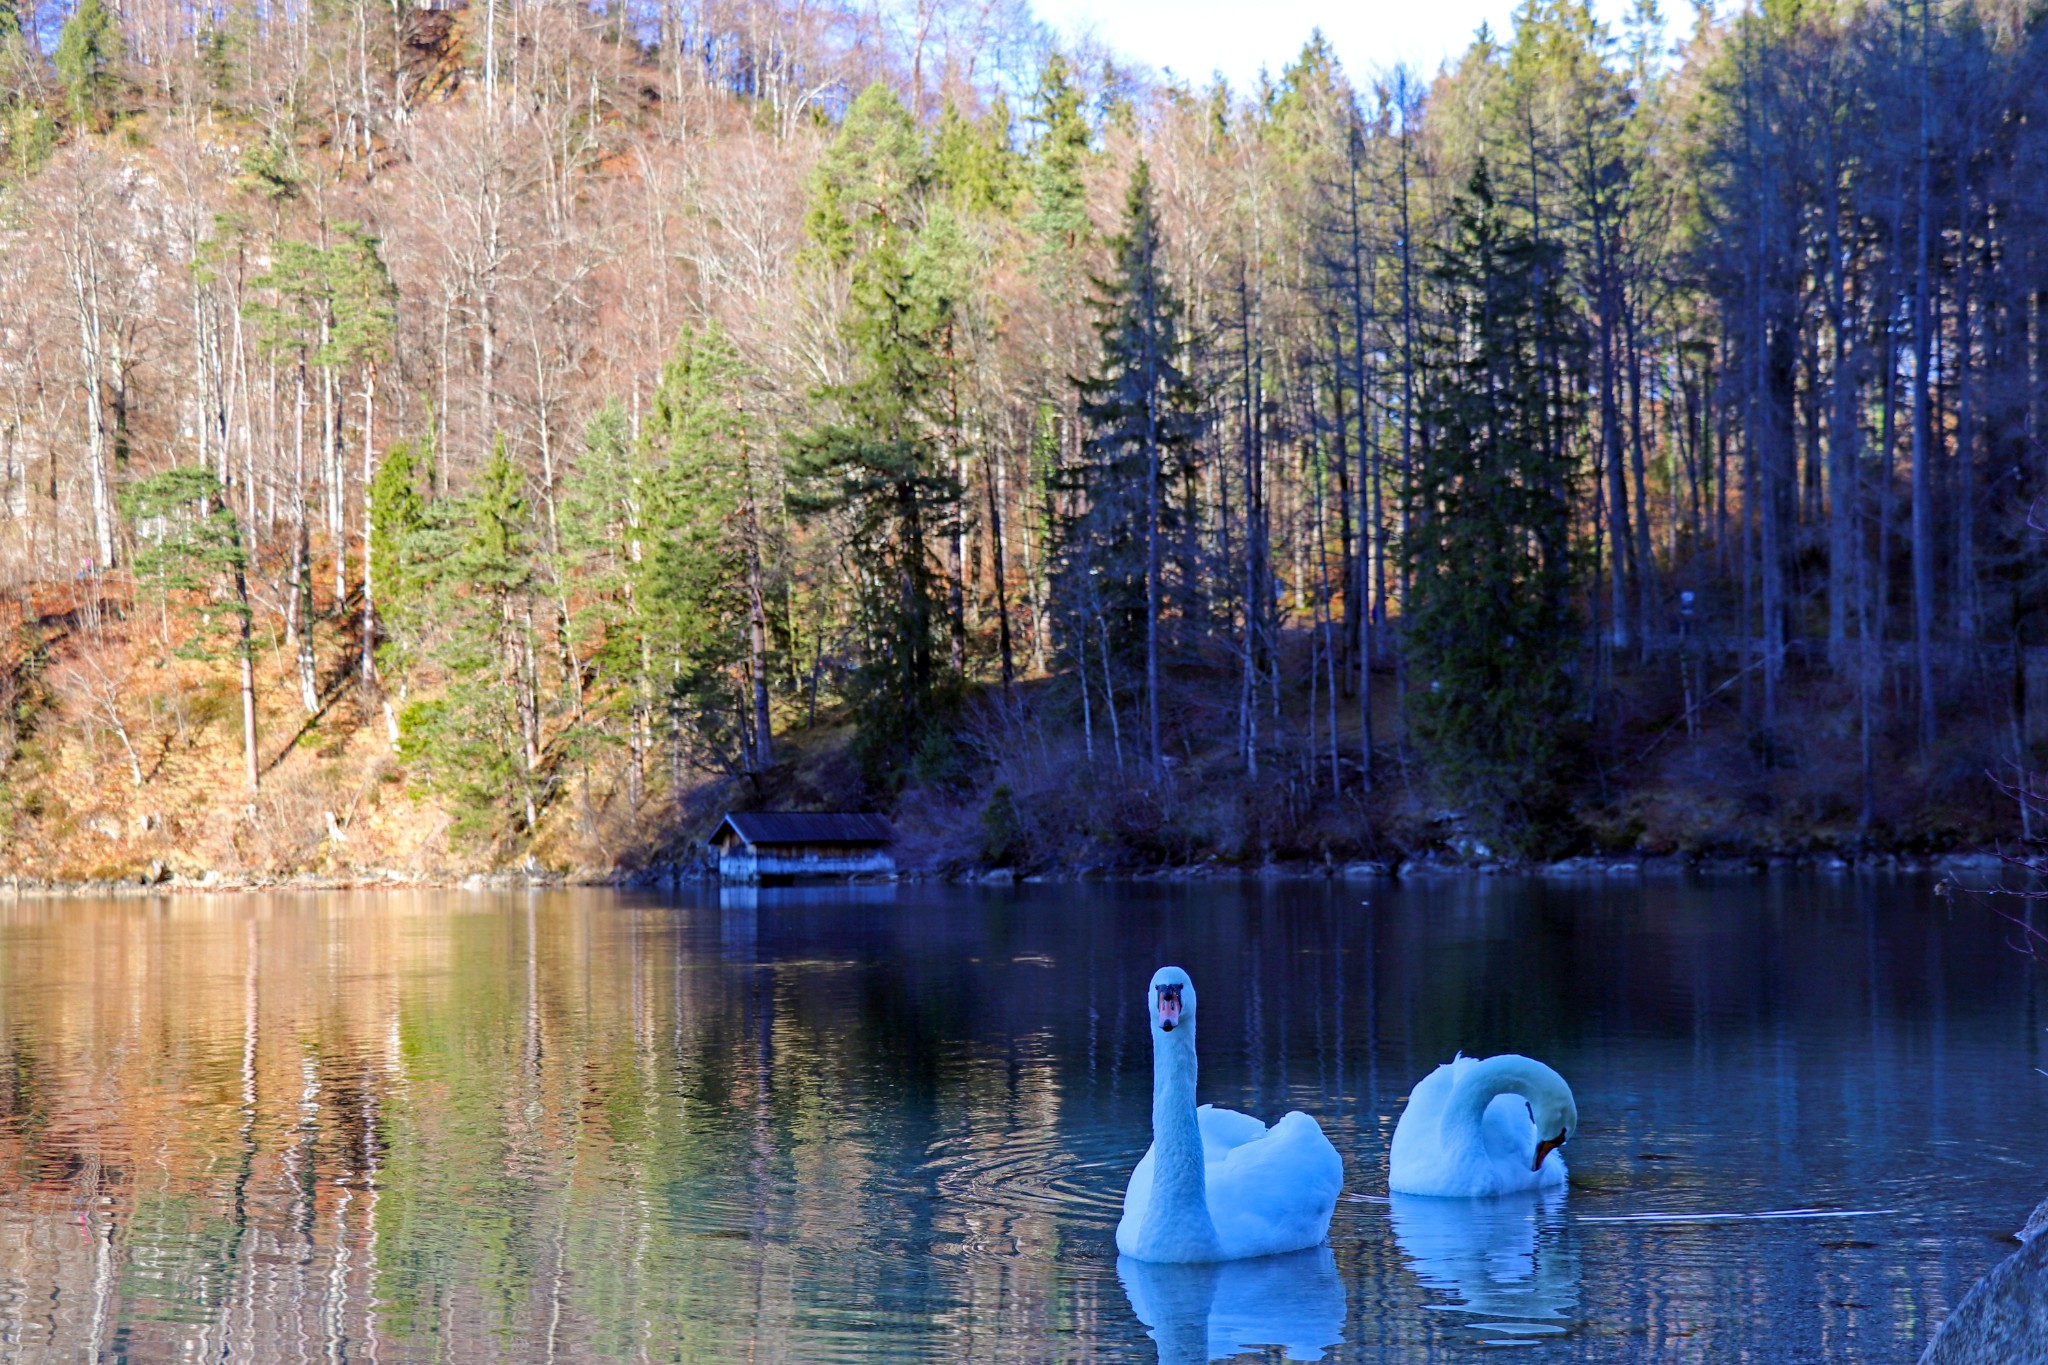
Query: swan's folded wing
(1276, 1194)
(1224, 1129)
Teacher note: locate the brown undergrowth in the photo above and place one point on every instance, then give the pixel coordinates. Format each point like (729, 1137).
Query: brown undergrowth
(120, 761)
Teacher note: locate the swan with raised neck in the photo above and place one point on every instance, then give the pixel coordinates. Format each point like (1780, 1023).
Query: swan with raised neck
(1217, 1185)
(1478, 1127)
(1178, 1213)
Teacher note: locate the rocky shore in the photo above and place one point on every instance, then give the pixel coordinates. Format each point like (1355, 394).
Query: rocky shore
(1980, 869)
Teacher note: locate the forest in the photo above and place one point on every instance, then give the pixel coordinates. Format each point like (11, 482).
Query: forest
(508, 434)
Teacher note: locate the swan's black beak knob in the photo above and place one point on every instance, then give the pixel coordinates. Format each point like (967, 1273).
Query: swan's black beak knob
(1169, 1007)
(1546, 1147)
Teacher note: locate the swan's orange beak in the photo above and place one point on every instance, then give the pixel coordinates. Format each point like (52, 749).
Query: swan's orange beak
(1545, 1148)
(1169, 1007)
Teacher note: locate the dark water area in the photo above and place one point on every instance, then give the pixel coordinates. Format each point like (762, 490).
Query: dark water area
(893, 1124)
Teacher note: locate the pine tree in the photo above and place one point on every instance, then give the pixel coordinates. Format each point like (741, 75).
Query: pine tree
(603, 540)
(881, 466)
(880, 461)
(1489, 621)
(363, 315)
(868, 179)
(972, 161)
(703, 594)
(399, 516)
(87, 57)
(1059, 213)
(189, 552)
(289, 329)
(478, 742)
(1143, 415)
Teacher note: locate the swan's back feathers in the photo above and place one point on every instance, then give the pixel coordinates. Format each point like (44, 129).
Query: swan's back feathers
(1223, 1129)
(1278, 1193)
(1268, 1189)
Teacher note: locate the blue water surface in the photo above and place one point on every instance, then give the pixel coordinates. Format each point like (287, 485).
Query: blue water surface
(893, 1123)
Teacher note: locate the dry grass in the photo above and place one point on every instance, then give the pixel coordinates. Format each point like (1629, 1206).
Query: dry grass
(1015, 785)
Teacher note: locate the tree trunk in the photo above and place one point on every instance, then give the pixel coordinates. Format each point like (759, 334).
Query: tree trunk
(1923, 412)
(369, 659)
(994, 473)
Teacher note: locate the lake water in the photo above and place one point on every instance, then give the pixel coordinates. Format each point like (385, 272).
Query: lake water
(893, 1124)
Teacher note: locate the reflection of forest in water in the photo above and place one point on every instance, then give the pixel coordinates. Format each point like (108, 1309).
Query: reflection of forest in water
(895, 1126)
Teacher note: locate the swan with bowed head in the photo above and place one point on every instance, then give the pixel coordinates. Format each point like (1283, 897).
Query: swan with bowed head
(1217, 1185)
(1477, 1128)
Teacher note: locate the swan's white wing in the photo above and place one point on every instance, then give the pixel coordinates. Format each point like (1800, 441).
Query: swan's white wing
(1418, 1138)
(1137, 1198)
(1276, 1193)
(1223, 1129)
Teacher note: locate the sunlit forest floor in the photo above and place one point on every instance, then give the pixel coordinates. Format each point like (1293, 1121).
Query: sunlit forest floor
(123, 763)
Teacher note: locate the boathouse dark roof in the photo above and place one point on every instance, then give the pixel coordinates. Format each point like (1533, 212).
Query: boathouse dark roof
(805, 827)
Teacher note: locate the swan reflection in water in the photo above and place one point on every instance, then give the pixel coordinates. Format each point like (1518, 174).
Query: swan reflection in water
(1498, 1261)
(1199, 1313)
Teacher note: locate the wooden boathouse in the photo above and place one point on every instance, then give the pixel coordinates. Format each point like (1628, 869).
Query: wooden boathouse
(761, 846)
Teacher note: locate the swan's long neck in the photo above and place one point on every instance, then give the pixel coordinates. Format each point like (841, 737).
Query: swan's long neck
(1505, 1075)
(1180, 1190)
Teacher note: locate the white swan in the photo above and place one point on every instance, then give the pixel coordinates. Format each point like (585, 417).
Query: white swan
(1217, 1185)
(1478, 1128)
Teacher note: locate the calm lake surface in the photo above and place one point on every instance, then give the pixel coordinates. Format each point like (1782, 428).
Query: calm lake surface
(893, 1124)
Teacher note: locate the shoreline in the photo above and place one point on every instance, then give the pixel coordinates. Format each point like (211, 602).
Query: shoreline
(1418, 869)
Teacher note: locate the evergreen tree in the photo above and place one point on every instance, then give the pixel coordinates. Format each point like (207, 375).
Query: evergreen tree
(868, 179)
(358, 292)
(399, 518)
(477, 742)
(972, 160)
(603, 534)
(881, 467)
(87, 57)
(879, 464)
(188, 549)
(1142, 413)
(1489, 621)
(190, 553)
(703, 593)
(27, 132)
(1059, 152)
(363, 315)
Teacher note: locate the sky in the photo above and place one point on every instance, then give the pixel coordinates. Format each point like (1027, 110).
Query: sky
(1237, 37)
